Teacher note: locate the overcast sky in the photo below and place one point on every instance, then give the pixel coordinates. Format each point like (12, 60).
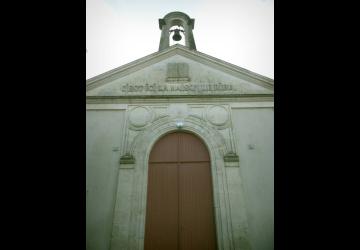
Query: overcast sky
(240, 32)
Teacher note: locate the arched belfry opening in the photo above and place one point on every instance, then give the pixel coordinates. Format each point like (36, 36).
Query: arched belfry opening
(177, 35)
(176, 26)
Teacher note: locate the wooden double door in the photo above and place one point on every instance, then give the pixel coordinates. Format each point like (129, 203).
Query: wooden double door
(180, 211)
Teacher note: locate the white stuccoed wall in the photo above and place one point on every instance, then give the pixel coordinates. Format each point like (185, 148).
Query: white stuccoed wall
(103, 140)
(254, 132)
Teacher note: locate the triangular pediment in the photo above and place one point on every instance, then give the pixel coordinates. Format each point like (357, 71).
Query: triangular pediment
(178, 71)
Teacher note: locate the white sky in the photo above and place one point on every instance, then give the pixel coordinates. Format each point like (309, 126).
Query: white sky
(240, 32)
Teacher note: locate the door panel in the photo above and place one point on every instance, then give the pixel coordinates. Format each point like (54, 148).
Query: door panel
(192, 149)
(180, 212)
(196, 218)
(166, 149)
(161, 227)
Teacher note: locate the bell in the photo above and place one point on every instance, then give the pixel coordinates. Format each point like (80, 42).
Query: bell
(176, 36)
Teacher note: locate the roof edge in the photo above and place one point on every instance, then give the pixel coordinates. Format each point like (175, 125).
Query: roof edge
(126, 66)
(215, 60)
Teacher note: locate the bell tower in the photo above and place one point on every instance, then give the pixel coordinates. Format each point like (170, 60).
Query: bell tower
(185, 26)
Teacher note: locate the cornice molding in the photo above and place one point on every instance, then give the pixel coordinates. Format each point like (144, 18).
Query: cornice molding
(178, 99)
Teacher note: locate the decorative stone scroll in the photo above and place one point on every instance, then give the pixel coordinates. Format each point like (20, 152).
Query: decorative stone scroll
(139, 117)
(231, 157)
(218, 116)
(127, 159)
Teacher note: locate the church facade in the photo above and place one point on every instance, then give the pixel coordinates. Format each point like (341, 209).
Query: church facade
(179, 151)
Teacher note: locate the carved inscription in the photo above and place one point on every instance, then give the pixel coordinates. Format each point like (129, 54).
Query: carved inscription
(173, 88)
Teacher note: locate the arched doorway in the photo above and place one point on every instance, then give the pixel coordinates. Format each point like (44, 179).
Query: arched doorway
(180, 211)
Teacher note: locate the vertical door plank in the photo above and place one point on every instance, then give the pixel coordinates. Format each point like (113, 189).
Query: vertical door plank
(161, 229)
(196, 216)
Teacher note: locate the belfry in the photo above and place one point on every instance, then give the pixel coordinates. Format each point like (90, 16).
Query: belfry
(185, 24)
(179, 151)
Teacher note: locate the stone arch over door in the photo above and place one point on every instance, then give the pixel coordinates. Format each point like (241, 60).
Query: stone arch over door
(140, 149)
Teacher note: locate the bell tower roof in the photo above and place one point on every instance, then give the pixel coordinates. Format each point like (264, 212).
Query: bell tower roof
(182, 20)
